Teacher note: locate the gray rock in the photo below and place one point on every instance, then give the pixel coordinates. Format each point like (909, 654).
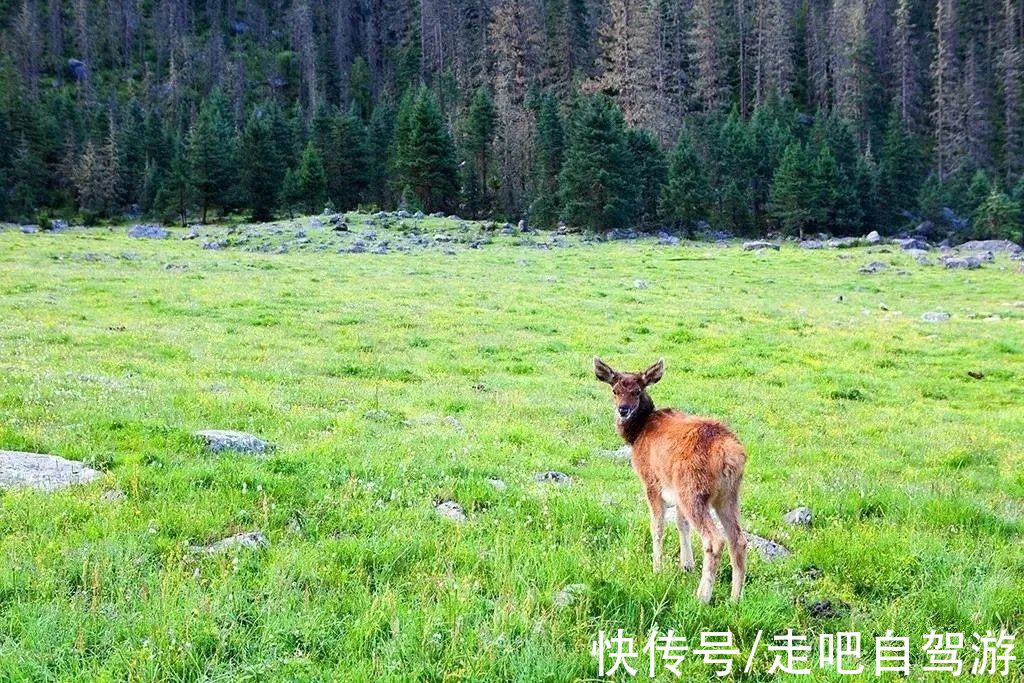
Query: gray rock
(497, 484)
(451, 510)
(843, 242)
(873, 237)
(252, 540)
(58, 225)
(800, 516)
(78, 69)
(996, 246)
(812, 244)
(112, 496)
(770, 550)
(418, 215)
(218, 440)
(912, 243)
(441, 237)
(552, 477)
(640, 284)
(522, 226)
(41, 471)
(962, 262)
(757, 245)
(935, 317)
(624, 452)
(873, 267)
(153, 232)
(569, 594)
(29, 229)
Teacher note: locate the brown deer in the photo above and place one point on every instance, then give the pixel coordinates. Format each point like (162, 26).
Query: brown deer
(694, 463)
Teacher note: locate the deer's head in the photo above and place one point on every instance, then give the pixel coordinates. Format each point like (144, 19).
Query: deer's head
(629, 389)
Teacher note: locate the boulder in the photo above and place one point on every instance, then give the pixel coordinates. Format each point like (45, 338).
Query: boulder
(994, 246)
(757, 245)
(152, 232)
(935, 317)
(41, 471)
(912, 243)
(451, 510)
(811, 244)
(252, 540)
(800, 516)
(962, 262)
(77, 69)
(29, 229)
(873, 267)
(218, 440)
(843, 242)
(873, 237)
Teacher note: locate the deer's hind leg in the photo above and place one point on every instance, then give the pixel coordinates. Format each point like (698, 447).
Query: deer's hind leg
(685, 547)
(712, 543)
(729, 514)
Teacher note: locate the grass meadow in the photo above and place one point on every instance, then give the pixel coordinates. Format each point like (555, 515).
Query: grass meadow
(389, 383)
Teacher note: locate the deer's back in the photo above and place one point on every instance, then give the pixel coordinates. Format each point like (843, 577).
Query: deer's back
(687, 454)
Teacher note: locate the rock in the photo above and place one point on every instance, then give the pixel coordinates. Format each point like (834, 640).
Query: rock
(640, 284)
(552, 477)
(962, 262)
(995, 246)
(923, 260)
(497, 484)
(770, 550)
(757, 245)
(800, 516)
(569, 594)
(507, 230)
(440, 237)
(912, 243)
(218, 440)
(522, 226)
(58, 225)
(873, 267)
(843, 242)
(342, 226)
(192, 234)
(935, 317)
(812, 244)
(402, 213)
(41, 471)
(153, 232)
(112, 496)
(418, 215)
(826, 609)
(624, 452)
(873, 237)
(451, 510)
(29, 229)
(252, 540)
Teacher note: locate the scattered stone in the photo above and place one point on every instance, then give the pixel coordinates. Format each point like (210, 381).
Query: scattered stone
(41, 471)
(29, 229)
(668, 239)
(812, 244)
(153, 232)
(552, 477)
(997, 246)
(454, 423)
(800, 516)
(843, 242)
(497, 484)
(873, 267)
(923, 260)
(935, 317)
(451, 510)
(640, 284)
(962, 262)
(58, 225)
(912, 243)
(975, 374)
(757, 245)
(252, 540)
(838, 299)
(873, 237)
(112, 496)
(418, 215)
(770, 550)
(218, 440)
(441, 237)
(826, 609)
(522, 226)
(570, 594)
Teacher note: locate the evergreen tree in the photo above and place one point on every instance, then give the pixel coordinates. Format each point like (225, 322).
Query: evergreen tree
(550, 143)
(97, 178)
(479, 130)
(424, 155)
(997, 217)
(359, 89)
(899, 176)
(310, 180)
(648, 171)
(685, 197)
(380, 142)
(793, 192)
(175, 193)
(211, 154)
(262, 168)
(346, 161)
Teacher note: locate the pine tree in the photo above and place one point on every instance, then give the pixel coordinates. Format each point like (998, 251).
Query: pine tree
(424, 154)
(310, 181)
(685, 198)
(211, 154)
(359, 89)
(899, 169)
(773, 61)
(346, 161)
(550, 143)
(707, 35)
(262, 169)
(594, 184)
(948, 110)
(175, 193)
(97, 178)
(648, 171)
(794, 192)
(997, 217)
(380, 142)
(1011, 67)
(478, 133)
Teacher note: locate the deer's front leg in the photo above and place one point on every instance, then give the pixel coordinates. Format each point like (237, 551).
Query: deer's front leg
(657, 507)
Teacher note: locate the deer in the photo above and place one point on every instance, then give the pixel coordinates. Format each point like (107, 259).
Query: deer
(695, 463)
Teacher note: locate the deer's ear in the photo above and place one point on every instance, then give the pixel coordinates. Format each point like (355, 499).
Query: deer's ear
(604, 372)
(653, 374)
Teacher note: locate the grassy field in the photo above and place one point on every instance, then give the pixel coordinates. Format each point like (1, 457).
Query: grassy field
(389, 383)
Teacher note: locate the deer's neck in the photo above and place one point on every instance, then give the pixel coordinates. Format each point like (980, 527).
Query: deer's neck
(631, 428)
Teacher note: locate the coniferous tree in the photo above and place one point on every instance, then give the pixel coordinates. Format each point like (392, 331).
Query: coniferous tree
(309, 180)
(424, 154)
(899, 172)
(647, 171)
(550, 144)
(261, 168)
(997, 217)
(684, 198)
(175, 193)
(479, 130)
(380, 139)
(211, 154)
(594, 184)
(793, 191)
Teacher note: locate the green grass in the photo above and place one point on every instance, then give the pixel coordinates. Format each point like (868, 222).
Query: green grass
(353, 365)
